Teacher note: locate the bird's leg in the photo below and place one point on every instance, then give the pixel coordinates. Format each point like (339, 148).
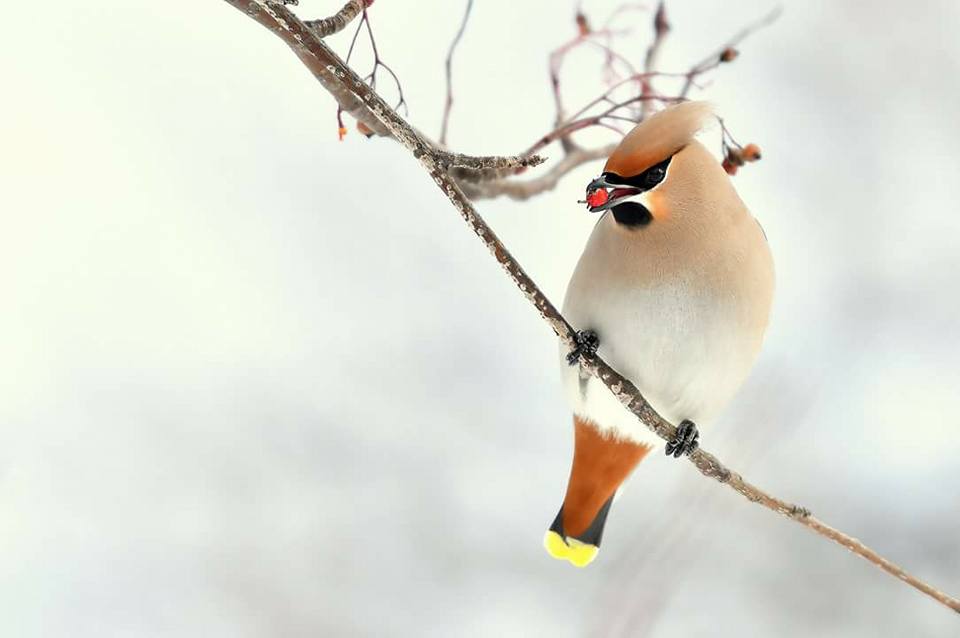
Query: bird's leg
(686, 440)
(587, 344)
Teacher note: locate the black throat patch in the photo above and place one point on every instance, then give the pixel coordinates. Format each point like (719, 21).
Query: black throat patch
(632, 214)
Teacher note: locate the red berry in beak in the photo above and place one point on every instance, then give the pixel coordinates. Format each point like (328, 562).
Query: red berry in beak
(597, 198)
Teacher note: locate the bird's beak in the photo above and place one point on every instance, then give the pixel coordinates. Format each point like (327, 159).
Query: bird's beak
(602, 194)
(579, 551)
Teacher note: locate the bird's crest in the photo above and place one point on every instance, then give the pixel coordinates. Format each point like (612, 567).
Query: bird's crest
(659, 137)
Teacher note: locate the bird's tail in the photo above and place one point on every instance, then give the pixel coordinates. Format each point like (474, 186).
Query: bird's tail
(601, 462)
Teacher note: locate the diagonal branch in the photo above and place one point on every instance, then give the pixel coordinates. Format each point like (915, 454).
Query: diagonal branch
(279, 20)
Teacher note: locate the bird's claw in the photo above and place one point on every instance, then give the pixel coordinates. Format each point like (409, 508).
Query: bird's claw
(587, 344)
(686, 440)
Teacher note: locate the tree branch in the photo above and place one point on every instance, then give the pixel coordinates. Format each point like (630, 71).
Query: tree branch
(316, 54)
(339, 20)
(514, 163)
(525, 189)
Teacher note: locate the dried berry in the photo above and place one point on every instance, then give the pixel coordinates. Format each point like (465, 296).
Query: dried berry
(751, 152)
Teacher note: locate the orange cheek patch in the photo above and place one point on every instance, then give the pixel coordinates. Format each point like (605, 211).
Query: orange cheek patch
(658, 205)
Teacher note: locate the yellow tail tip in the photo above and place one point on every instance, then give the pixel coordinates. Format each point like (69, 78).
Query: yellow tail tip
(571, 550)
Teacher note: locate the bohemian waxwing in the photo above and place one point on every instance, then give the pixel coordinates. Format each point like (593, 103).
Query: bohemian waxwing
(675, 284)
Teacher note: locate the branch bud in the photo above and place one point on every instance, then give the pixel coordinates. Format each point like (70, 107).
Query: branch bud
(729, 55)
(660, 23)
(583, 26)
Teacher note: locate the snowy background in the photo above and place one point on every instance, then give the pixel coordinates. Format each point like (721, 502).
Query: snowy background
(256, 382)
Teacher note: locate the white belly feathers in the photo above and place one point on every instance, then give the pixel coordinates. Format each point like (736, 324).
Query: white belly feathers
(685, 346)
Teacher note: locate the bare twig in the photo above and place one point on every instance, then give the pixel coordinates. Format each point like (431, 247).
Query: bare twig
(294, 34)
(447, 160)
(660, 29)
(558, 55)
(525, 189)
(600, 39)
(339, 20)
(448, 66)
(634, 107)
(378, 63)
(279, 20)
(571, 126)
(717, 58)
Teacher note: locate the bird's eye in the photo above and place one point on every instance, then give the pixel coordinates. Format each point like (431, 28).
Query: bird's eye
(655, 175)
(645, 180)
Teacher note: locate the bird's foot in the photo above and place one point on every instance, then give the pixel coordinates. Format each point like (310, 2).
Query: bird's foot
(587, 344)
(686, 441)
(799, 512)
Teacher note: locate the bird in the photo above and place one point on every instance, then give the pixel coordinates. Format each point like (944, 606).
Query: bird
(673, 290)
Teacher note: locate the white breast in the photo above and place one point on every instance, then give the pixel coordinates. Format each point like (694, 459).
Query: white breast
(687, 345)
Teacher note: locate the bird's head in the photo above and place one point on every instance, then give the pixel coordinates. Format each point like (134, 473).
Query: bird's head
(656, 167)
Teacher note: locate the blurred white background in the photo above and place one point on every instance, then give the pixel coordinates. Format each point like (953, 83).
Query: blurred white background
(256, 382)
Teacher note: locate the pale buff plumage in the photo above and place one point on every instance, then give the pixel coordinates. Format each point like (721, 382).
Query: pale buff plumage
(680, 304)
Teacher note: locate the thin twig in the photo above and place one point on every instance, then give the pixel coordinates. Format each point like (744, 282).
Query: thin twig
(571, 126)
(275, 16)
(586, 35)
(520, 190)
(449, 70)
(660, 29)
(639, 105)
(715, 59)
(339, 20)
(558, 55)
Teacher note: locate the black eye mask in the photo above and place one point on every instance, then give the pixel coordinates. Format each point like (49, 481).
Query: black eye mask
(645, 180)
(635, 214)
